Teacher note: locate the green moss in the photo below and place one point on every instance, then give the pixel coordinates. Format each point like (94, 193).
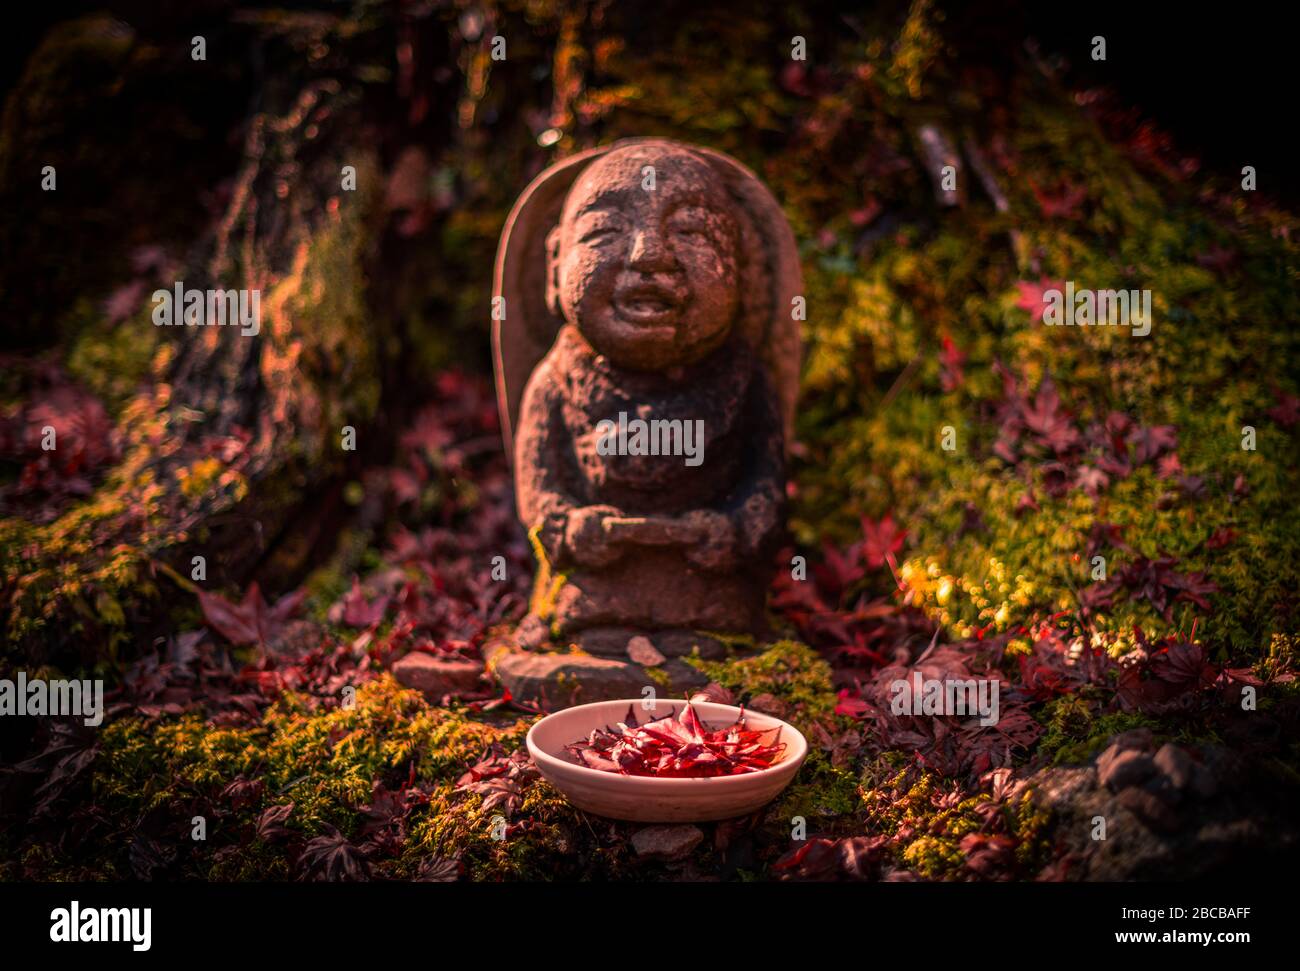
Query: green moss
(1031, 824)
(790, 671)
(324, 762)
(113, 360)
(873, 406)
(825, 796)
(90, 570)
(1076, 733)
(933, 857)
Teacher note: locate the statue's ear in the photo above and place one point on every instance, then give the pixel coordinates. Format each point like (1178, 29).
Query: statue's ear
(553, 271)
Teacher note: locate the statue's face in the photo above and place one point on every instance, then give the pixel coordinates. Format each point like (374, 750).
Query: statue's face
(648, 276)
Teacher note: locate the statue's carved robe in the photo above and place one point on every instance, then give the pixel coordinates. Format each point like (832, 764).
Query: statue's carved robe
(559, 468)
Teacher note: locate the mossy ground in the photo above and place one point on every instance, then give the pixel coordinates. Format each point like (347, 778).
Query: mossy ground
(331, 765)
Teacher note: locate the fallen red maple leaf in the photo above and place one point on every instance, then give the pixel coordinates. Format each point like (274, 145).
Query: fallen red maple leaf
(499, 778)
(355, 610)
(250, 621)
(1152, 441)
(271, 824)
(850, 704)
(838, 571)
(331, 857)
(853, 858)
(1047, 419)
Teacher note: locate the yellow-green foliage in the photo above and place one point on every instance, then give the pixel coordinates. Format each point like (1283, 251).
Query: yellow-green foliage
(926, 821)
(113, 360)
(1076, 732)
(345, 750)
(90, 566)
(325, 763)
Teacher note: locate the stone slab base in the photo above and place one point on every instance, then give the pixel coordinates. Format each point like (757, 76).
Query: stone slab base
(554, 680)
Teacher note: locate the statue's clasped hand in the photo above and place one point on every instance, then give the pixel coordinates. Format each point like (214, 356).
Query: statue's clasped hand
(599, 535)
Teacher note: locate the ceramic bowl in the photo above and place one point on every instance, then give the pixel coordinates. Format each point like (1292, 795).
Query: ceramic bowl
(649, 800)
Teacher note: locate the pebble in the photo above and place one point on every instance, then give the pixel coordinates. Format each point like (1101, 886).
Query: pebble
(666, 843)
(1125, 768)
(436, 677)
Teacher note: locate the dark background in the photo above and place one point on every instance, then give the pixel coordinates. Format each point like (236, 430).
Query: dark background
(1219, 78)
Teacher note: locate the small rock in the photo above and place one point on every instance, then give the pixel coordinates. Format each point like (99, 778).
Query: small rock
(666, 843)
(1134, 738)
(1164, 790)
(1063, 786)
(640, 650)
(1124, 769)
(1104, 759)
(1204, 782)
(1149, 808)
(1176, 765)
(610, 642)
(682, 678)
(436, 677)
(683, 643)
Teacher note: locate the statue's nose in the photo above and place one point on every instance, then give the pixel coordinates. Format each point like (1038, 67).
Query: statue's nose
(649, 254)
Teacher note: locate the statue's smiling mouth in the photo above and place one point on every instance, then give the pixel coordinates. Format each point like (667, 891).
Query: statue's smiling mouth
(647, 303)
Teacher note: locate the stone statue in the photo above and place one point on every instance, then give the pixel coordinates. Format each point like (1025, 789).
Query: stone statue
(647, 363)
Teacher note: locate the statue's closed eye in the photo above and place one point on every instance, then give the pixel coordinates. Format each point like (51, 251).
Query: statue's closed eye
(692, 223)
(691, 230)
(597, 230)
